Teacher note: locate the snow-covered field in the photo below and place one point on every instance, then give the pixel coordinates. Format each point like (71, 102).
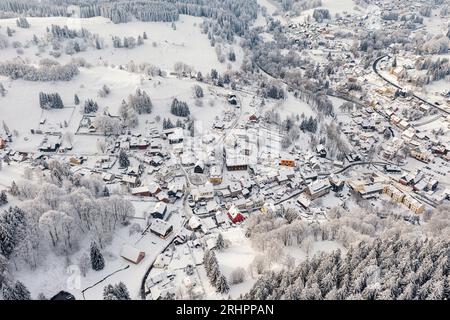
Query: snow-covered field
(164, 46)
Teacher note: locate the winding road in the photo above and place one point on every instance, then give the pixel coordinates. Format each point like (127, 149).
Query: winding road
(377, 72)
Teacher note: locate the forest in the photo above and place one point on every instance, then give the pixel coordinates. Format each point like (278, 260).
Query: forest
(58, 210)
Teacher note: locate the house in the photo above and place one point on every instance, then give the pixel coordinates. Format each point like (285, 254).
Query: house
(403, 124)
(132, 181)
(337, 184)
(138, 143)
(318, 188)
(194, 223)
(368, 125)
(221, 218)
(371, 190)
(212, 206)
(215, 175)
(106, 176)
(75, 161)
(232, 99)
(204, 192)
(161, 228)
(158, 293)
(253, 118)
(235, 189)
(163, 197)
(236, 163)
(159, 210)
(135, 170)
(175, 189)
(338, 164)
(408, 134)
(353, 157)
(199, 167)
(394, 193)
(398, 72)
(321, 151)
(49, 147)
(63, 295)
(421, 155)
(211, 243)
(282, 178)
(155, 161)
(176, 136)
(287, 162)
(161, 261)
(432, 184)
(219, 125)
(154, 188)
(132, 254)
(141, 191)
(234, 214)
(392, 168)
(241, 203)
(413, 204)
(304, 200)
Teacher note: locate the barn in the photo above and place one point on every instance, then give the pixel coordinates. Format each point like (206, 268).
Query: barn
(132, 254)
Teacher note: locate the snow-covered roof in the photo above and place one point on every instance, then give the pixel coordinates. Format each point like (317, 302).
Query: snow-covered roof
(160, 227)
(130, 253)
(159, 207)
(194, 222)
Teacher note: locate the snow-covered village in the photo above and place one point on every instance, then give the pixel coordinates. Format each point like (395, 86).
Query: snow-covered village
(224, 149)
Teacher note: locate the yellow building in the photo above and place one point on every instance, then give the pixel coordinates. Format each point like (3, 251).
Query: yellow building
(413, 204)
(394, 193)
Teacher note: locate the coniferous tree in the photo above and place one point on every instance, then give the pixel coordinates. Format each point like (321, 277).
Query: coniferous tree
(199, 76)
(214, 74)
(116, 292)
(12, 226)
(220, 243)
(50, 100)
(106, 192)
(222, 284)
(3, 198)
(179, 108)
(97, 260)
(14, 189)
(123, 159)
(90, 106)
(22, 23)
(21, 292)
(2, 90)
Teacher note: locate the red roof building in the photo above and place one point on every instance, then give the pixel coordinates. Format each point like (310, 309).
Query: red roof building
(234, 215)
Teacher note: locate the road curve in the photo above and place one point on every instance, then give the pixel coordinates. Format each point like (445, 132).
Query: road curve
(375, 69)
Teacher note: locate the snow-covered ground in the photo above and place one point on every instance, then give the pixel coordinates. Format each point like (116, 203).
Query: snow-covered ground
(65, 274)
(240, 253)
(164, 46)
(334, 7)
